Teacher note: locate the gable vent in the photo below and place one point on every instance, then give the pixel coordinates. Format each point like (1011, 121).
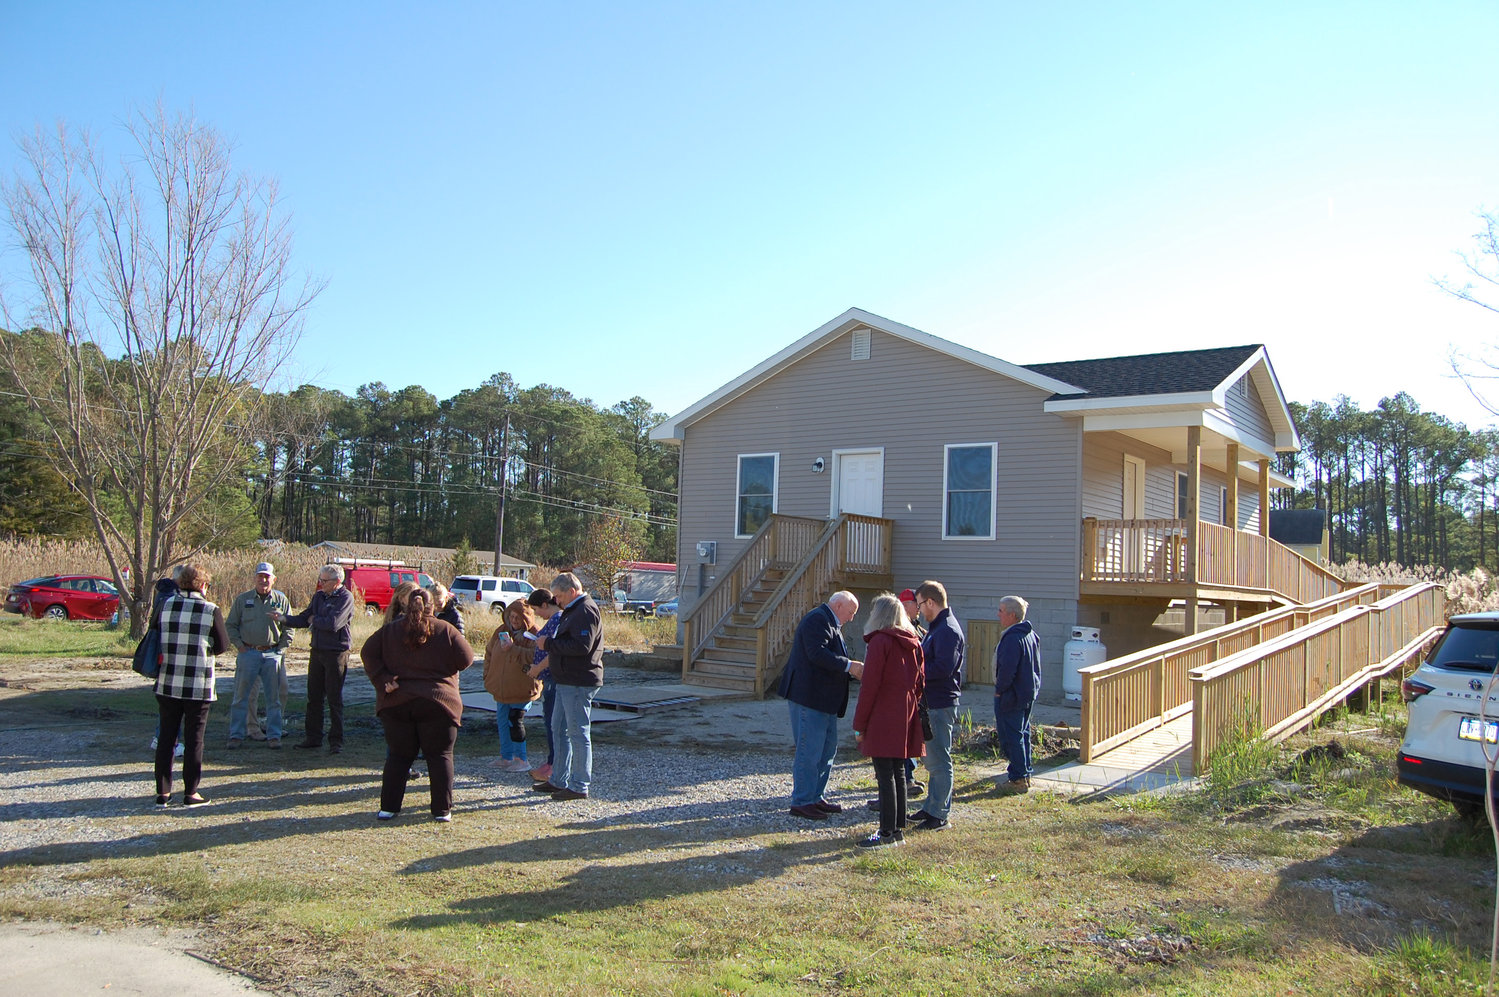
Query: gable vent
(860, 345)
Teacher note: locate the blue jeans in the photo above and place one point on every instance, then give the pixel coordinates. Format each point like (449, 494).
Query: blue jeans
(816, 736)
(939, 762)
(509, 748)
(572, 740)
(548, 706)
(251, 667)
(1014, 728)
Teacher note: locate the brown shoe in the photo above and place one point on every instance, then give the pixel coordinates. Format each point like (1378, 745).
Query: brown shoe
(828, 808)
(1015, 786)
(808, 812)
(545, 787)
(563, 795)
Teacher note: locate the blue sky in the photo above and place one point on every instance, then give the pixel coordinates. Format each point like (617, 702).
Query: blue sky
(649, 198)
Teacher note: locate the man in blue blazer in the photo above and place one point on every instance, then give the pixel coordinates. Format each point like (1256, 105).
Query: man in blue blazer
(815, 686)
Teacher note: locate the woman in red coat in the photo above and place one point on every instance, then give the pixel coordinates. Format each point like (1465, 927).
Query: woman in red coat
(887, 723)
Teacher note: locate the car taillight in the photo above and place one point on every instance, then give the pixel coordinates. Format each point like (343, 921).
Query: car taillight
(1413, 689)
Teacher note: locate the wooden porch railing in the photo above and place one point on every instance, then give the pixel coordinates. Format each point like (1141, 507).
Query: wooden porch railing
(1280, 685)
(779, 543)
(1127, 696)
(846, 548)
(1154, 551)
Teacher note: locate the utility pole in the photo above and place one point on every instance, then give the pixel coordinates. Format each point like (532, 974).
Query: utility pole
(499, 515)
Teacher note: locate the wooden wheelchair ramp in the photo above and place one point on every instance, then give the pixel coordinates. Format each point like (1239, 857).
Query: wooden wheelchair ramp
(1152, 718)
(1158, 759)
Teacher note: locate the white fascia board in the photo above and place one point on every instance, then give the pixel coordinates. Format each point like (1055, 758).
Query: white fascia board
(1111, 421)
(1220, 424)
(673, 429)
(1185, 400)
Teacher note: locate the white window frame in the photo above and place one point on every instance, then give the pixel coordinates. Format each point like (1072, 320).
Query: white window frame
(775, 487)
(1223, 507)
(1183, 493)
(993, 487)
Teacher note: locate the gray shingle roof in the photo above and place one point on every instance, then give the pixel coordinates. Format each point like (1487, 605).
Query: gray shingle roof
(1148, 373)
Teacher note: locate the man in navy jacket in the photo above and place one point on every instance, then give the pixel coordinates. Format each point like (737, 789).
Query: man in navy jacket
(942, 654)
(1017, 682)
(330, 617)
(815, 686)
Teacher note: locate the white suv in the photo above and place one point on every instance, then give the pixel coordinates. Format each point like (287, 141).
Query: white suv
(1445, 737)
(488, 590)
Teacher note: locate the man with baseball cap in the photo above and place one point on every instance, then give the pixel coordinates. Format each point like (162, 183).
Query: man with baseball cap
(255, 630)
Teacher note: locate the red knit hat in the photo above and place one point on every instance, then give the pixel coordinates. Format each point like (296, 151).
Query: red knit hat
(907, 596)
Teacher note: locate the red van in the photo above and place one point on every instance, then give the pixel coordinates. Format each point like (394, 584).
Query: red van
(375, 581)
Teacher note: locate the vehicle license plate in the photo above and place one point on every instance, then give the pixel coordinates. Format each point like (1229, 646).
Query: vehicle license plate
(1472, 729)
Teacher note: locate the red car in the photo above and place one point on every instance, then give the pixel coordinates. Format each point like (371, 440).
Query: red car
(64, 597)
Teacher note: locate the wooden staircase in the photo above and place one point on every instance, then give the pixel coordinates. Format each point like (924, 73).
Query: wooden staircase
(728, 660)
(738, 634)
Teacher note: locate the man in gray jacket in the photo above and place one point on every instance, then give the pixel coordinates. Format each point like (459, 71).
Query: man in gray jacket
(256, 632)
(329, 616)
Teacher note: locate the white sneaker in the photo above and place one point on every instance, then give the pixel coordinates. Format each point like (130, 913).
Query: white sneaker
(517, 765)
(153, 742)
(177, 751)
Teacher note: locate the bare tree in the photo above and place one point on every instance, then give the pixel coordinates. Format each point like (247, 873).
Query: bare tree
(1480, 286)
(162, 299)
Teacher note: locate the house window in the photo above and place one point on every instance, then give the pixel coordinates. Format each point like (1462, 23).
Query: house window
(968, 490)
(758, 474)
(1181, 494)
(1223, 506)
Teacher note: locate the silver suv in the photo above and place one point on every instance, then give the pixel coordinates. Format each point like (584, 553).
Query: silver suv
(1453, 699)
(488, 590)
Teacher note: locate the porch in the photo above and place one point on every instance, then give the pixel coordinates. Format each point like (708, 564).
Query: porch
(1197, 562)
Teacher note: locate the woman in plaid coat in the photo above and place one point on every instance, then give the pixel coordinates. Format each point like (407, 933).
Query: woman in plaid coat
(192, 632)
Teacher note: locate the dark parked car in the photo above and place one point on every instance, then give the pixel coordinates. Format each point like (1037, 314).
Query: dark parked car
(64, 597)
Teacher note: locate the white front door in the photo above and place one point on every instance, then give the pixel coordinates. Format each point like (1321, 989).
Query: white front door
(861, 483)
(1134, 508)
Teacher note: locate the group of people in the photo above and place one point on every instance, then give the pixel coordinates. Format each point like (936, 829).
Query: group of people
(413, 662)
(551, 648)
(910, 682)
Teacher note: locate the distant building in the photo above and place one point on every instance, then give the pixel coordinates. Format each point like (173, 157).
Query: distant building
(1302, 530)
(655, 580)
(426, 556)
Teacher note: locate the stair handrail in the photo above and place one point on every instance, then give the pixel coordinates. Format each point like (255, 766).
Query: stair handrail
(771, 641)
(734, 580)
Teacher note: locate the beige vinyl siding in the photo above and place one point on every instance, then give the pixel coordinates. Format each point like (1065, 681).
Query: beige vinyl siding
(910, 401)
(1103, 475)
(1103, 482)
(1247, 411)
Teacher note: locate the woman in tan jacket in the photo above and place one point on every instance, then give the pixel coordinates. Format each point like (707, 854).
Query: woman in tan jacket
(413, 663)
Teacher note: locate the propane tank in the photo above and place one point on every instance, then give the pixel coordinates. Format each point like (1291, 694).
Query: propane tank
(1080, 652)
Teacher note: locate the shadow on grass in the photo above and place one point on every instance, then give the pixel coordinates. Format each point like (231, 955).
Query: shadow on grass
(1434, 878)
(595, 886)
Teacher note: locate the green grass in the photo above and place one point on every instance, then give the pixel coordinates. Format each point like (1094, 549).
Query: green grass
(20, 636)
(288, 879)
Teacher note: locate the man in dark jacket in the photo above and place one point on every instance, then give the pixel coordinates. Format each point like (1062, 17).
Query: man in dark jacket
(329, 616)
(942, 655)
(576, 658)
(1017, 682)
(815, 686)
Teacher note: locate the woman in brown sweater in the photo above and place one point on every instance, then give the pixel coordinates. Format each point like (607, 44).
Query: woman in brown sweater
(413, 663)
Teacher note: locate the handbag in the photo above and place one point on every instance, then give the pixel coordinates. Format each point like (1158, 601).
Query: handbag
(926, 719)
(147, 659)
